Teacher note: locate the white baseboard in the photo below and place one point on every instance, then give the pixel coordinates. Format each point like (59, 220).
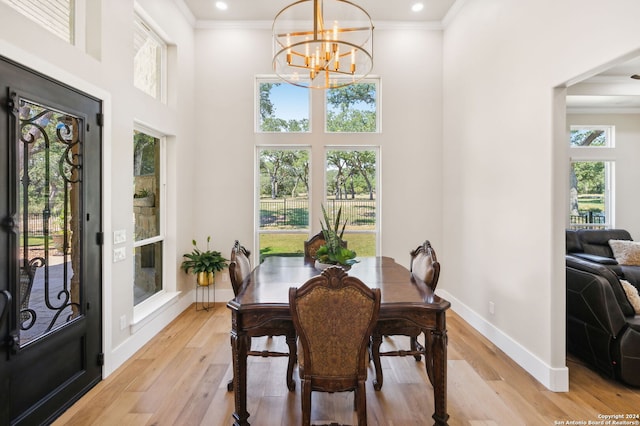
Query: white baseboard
(554, 379)
(144, 331)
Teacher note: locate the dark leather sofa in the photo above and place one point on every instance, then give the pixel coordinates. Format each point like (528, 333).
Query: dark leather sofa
(593, 245)
(602, 326)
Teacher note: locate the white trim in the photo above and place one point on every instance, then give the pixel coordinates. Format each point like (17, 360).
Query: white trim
(268, 25)
(452, 13)
(186, 12)
(555, 379)
(146, 330)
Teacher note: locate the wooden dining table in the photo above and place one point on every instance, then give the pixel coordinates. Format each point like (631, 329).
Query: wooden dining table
(262, 308)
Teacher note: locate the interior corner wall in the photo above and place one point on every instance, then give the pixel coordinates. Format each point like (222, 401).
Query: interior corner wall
(502, 61)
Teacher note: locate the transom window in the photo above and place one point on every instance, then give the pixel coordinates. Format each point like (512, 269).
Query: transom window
(282, 107)
(56, 16)
(149, 56)
(352, 109)
(592, 136)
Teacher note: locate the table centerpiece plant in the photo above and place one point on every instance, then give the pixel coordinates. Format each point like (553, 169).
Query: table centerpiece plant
(204, 263)
(332, 252)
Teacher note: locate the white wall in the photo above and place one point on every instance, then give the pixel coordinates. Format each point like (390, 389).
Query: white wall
(409, 62)
(107, 75)
(503, 176)
(625, 155)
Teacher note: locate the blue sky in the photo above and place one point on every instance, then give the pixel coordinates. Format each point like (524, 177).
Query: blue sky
(290, 102)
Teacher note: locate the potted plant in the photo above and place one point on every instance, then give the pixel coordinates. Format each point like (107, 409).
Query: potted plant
(144, 198)
(333, 252)
(204, 263)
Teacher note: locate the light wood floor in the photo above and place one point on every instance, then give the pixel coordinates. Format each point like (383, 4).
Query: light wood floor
(180, 378)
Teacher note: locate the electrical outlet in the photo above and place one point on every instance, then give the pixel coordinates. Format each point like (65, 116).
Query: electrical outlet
(492, 308)
(120, 236)
(119, 254)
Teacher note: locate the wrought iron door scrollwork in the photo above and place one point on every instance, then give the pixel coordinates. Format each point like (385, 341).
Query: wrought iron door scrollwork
(50, 177)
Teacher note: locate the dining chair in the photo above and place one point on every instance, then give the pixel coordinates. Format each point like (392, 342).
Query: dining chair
(334, 315)
(239, 270)
(312, 245)
(425, 270)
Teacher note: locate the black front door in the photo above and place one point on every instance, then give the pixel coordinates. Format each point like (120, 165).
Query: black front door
(50, 245)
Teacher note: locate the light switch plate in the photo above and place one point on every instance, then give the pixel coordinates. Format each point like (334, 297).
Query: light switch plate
(119, 254)
(120, 236)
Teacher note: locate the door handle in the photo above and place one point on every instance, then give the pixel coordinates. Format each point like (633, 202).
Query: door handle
(7, 305)
(12, 340)
(8, 224)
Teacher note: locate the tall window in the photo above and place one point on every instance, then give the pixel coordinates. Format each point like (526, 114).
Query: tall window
(591, 177)
(351, 182)
(281, 107)
(56, 16)
(283, 214)
(149, 59)
(147, 214)
(353, 109)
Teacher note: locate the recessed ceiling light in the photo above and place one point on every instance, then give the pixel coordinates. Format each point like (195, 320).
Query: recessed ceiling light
(417, 7)
(221, 5)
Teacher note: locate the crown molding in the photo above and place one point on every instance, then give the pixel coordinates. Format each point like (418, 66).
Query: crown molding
(267, 25)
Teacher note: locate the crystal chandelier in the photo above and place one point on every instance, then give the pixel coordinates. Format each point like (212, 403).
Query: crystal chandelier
(333, 50)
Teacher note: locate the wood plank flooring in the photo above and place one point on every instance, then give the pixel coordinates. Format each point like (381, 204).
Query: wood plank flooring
(180, 378)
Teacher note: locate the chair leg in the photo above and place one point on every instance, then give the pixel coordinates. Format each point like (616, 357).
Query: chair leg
(361, 403)
(306, 402)
(415, 346)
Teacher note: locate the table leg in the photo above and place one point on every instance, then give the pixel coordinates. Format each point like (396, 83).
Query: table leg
(293, 358)
(439, 353)
(239, 349)
(376, 341)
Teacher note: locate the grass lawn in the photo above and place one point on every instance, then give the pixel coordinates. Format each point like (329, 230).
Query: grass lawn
(293, 244)
(591, 203)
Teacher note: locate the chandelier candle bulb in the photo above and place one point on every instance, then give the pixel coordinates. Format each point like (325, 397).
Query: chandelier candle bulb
(320, 45)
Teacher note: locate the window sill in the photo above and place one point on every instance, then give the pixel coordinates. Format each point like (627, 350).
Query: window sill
(146, 311)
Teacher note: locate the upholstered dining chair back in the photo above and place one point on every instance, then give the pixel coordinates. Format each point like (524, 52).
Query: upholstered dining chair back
(424, 265)
(239, 266)
(312, 245)
(334, 315)
(239, 269)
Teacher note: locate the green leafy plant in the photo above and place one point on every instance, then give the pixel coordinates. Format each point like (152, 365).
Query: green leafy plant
(142, 193)
(203, 260)
(332, 252)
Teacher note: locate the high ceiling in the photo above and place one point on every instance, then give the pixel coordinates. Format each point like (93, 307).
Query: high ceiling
(266, 10)
(612, 90)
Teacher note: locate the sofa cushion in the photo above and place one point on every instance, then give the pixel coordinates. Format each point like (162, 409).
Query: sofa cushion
(632, 295)
(573, 241)
(597, 259)
(626, 252)
(606, 273)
